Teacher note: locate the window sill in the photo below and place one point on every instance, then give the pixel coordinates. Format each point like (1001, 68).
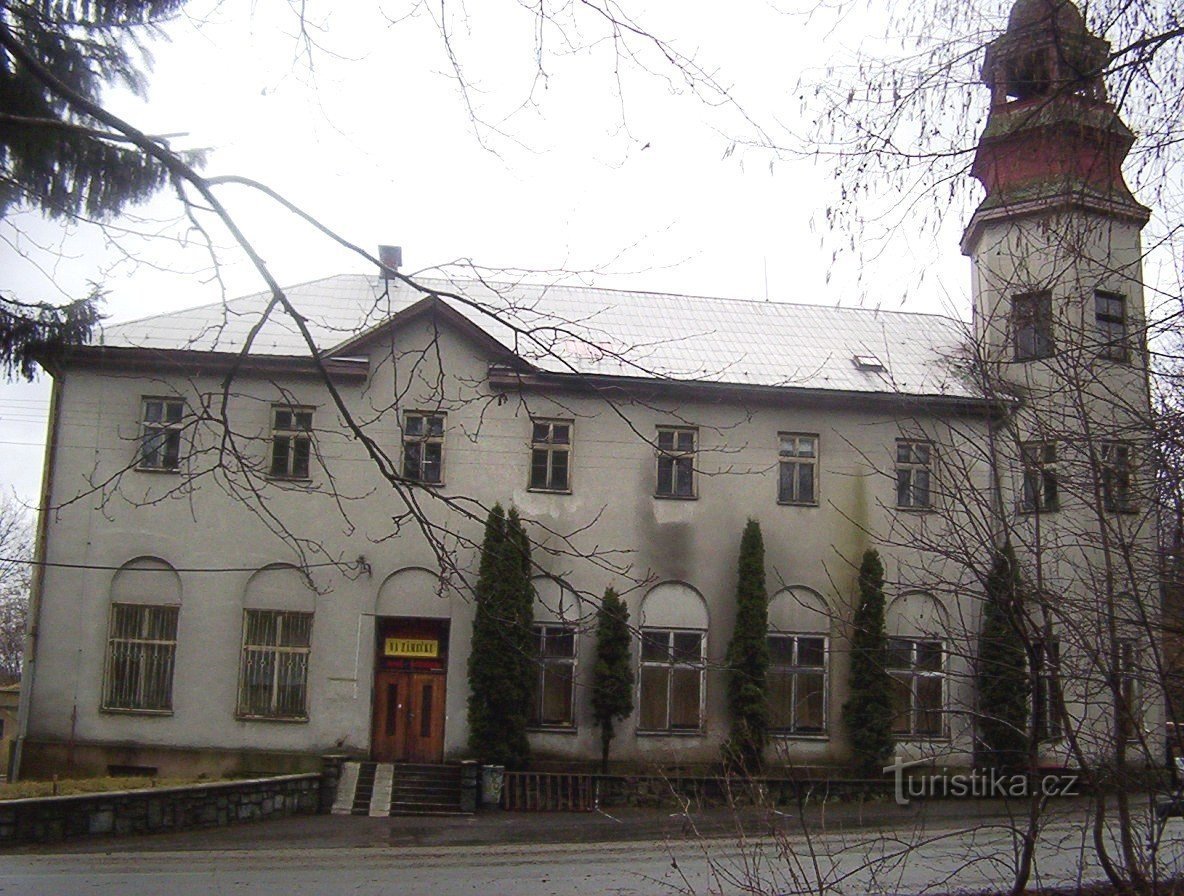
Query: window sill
(170, 470)
(124, 711)
(302, 720)
(790, 735)
(649, 732)
(797, 503)
(548, 491)
(921, 738)
(552, 729)
(295, 480)
(1032, 511)
(676, 497)
(914, 509)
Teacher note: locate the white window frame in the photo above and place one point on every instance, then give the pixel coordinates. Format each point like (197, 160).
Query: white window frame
(547, 666)
(283, 659)
(910, 676)
(549, 448)
(795, 669)
(679, 460)
(151, 660)
(295, 435)
(670, 665)
(1048, 701)
(913, 466)
(791, 462)
(162, 421)
(1040, 487)
(423, 431)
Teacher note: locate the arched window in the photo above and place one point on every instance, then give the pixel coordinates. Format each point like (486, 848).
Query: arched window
(673, 659)
(277, 637)
(917, 625)
(142, 637)
(557, 613)
(799, 626)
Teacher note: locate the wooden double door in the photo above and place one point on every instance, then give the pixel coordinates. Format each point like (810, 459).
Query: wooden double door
(408, 716)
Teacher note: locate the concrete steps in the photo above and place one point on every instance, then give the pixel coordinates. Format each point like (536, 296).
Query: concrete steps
(380, 789)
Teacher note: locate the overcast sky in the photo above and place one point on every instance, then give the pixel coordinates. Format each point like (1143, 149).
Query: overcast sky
(582, 164)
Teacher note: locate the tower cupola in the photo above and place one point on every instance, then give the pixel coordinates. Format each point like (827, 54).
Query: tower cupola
(1052, 137)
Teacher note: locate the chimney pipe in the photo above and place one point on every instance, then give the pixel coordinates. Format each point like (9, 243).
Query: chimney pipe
(390, 257)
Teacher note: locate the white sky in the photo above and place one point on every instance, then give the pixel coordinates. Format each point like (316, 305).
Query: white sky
(632, 180)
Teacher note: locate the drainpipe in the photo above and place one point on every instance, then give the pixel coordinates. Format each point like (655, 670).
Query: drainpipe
(37, 583)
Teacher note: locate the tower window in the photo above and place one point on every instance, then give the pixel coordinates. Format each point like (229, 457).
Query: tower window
(1031, 325)
(1110, 315)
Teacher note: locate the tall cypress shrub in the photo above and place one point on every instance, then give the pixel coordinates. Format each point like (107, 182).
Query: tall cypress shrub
(501, 657)
(1004, 685)
(868, 710)
(612, 677)
(748, 658)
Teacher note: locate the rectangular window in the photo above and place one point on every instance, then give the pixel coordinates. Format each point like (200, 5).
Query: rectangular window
(555, 647)
(1040, 477)
(273, 679)
(1046, 702)
(160, 433)
(1131, 719)
(676, 462)
(291, 441)
(1110, 316)
(798, 460)
(423, 448)
(918, 685)
(141, 651)
(671, 680)
(913, 473)
(797, 684)
(550, 455)
(1031, 325)
(1117, 495)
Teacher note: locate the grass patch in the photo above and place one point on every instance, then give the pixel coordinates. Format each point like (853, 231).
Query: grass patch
(20, 790)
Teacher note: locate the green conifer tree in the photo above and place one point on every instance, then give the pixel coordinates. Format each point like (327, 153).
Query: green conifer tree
(1002, 676)
(501, 657)
(56, 59)
(612, 677)
(748, 658)
(868, 710)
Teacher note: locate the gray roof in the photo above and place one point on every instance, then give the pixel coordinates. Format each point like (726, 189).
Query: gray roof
(562, 329)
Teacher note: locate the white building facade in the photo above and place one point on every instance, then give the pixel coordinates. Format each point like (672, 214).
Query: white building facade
(261, 540)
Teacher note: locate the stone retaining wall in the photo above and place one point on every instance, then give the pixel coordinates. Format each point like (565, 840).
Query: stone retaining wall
(46, 819)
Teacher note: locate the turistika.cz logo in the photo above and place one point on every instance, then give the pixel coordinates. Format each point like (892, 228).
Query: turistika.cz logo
(977, 783)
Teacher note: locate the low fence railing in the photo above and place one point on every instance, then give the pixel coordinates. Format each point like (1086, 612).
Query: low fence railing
(549, 792)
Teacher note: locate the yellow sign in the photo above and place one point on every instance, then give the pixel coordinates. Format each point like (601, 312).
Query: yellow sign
(420, 647)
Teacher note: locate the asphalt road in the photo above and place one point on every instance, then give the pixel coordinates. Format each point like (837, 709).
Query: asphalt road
(936, 860)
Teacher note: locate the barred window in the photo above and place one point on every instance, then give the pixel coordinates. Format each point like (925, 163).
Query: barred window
(797, 684)
(141, 653)
(423, 448)
(1117, 492)
(914, 474)
(1039, 461)
(918, 687)
(671, 680)
(160, 433)
(291, 441)
(273, 679)
(550, 455)
(676, 462)
(555, 647)
(1110, 317)
(798, 462)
